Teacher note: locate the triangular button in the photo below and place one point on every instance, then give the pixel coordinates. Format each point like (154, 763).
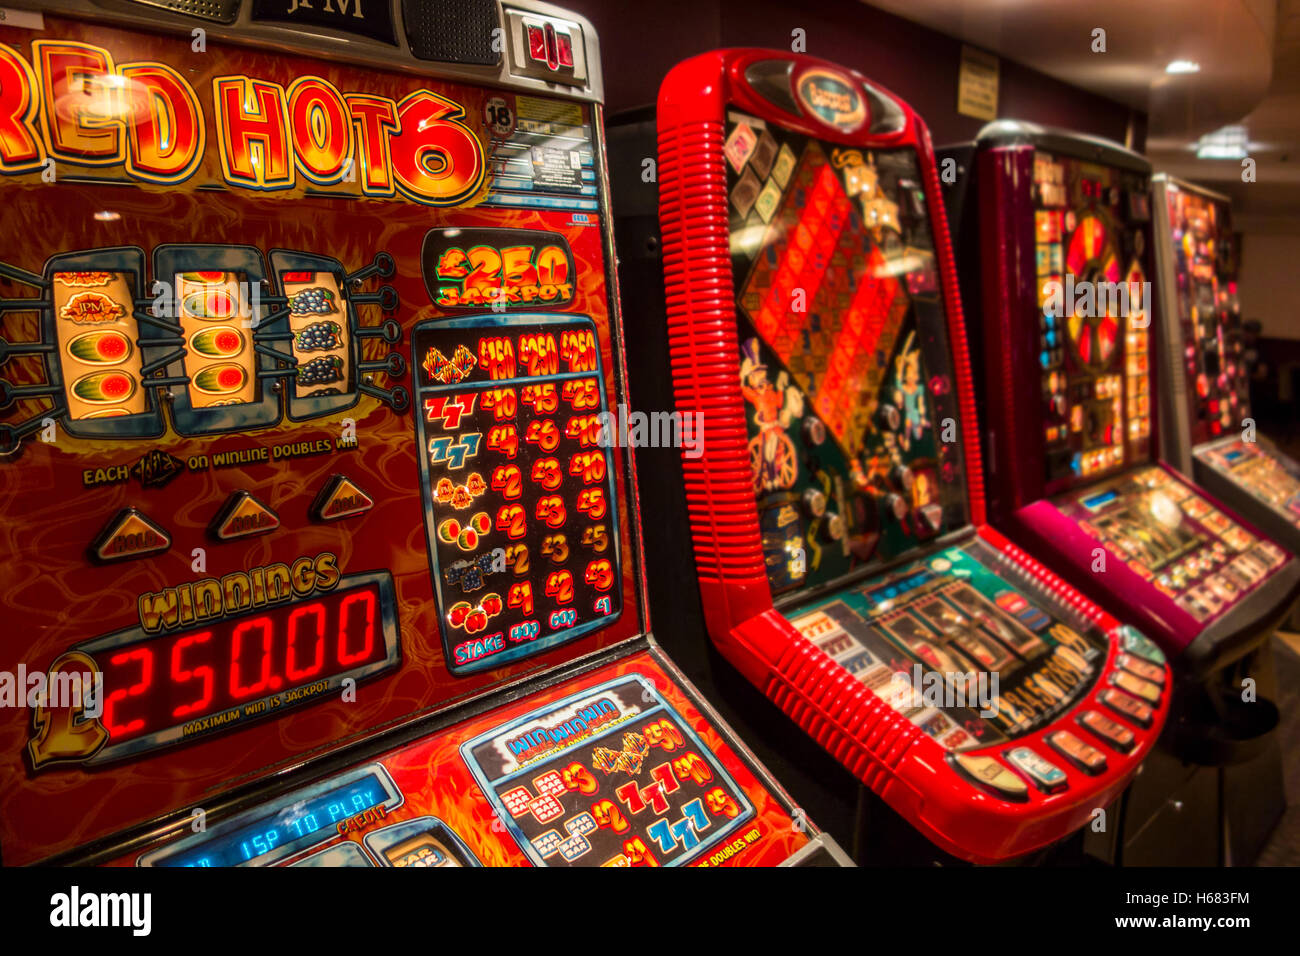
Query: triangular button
(340, 498)
(129, 535)
(243, 516)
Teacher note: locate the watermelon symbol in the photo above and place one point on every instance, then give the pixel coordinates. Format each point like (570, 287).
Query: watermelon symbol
(219, 379)
(219, 342)
(101, 348)
(205, 278)
(210, 304)
(104, 388)
(481, 522)
(449, 530)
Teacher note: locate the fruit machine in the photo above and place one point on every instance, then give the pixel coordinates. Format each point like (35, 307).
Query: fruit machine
(1211, 434)
(318, 551)
(835, 492)
(1057, 231)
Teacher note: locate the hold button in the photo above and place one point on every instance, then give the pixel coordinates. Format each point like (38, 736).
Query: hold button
(129, 535)
(340, 498)
(242, 516)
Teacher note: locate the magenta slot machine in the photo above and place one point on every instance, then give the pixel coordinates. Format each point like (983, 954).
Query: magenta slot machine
(1211, 434)
(1057, 235)
(834, 499)
(311, 527)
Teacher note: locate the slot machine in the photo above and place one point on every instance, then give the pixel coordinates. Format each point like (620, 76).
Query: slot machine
(1057, 231)
(834, 492)
(1211, 434)
(315, 549)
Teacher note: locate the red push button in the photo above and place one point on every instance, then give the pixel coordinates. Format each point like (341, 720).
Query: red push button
(1083, 756)
(1127, 706)
(1115, 734)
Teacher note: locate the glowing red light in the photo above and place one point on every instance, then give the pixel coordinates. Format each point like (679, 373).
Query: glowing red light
(173, 678)
(536, 43)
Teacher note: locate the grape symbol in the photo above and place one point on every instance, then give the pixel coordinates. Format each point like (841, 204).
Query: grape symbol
(318, 337)
(313, 301)
(320, 371)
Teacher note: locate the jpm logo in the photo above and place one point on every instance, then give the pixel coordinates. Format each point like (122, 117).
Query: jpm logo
(296, 5)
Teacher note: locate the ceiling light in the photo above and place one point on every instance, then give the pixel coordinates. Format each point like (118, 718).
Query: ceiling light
(1227, 143)
(1183, 66)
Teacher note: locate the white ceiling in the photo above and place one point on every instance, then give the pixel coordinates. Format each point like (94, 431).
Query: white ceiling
(1249, 56)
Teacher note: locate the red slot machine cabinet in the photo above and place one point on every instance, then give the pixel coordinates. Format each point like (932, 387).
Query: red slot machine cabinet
(1211, 434)
(817, 347)
(302, 373)
(1055, 223)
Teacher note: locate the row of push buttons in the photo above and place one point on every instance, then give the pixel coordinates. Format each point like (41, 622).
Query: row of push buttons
(1140, 673)
(132, 534)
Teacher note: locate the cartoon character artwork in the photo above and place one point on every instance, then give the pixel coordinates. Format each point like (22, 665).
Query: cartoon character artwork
(909, 393)
(772, 456)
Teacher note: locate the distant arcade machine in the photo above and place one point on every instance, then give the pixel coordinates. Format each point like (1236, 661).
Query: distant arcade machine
(1052, 224)
(302, 370)
(1057, 234)
(835, 491)
(1212, 434)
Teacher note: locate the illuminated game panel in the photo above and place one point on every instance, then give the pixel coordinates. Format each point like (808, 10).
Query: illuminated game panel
(1213, 355)
(1172, 537)
(557, 774)
(618, 767)
(843, 367)
(520, 510)
(1093, 322)
(911, 635)
(216, 322)
(98, 352)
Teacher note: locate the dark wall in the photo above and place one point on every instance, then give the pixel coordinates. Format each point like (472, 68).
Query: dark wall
(640, 42)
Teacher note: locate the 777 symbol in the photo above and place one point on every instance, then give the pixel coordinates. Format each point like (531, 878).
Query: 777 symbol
(455, 455)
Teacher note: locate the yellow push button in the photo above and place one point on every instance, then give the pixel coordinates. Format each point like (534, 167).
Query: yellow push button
(241, 517)
(1136, 686)
(994, 777)
(340, 498)
(129, 535)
